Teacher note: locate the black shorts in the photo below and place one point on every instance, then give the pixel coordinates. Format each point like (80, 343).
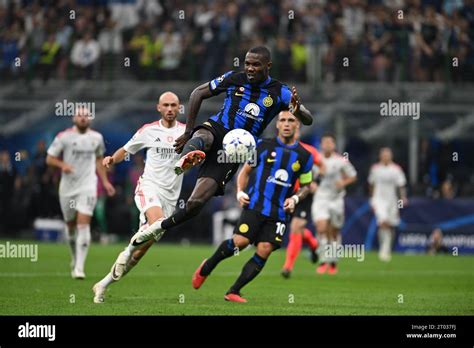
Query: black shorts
(260, 228)
(303, 208)
(222, 173)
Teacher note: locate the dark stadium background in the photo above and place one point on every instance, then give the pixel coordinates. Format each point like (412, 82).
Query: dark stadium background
(148, 47)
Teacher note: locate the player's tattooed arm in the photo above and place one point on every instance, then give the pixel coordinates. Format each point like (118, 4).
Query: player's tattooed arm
(56, 162)
(195, 100)
(242, 182)
(290, 203)
(298, 109)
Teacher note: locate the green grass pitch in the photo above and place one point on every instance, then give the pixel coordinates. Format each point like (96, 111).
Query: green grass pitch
(161, 285)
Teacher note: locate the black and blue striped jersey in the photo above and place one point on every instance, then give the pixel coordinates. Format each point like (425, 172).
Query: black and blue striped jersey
(273, 179)
(249, 106)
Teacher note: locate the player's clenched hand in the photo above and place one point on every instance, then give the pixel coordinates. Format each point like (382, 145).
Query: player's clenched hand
(108, 161)
(289, 205)
(109, 189)
(243, 198)
(66, 168)
(295, 101)
(181, 141)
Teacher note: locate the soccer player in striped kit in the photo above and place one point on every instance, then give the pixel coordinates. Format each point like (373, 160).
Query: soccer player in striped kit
(267, 195)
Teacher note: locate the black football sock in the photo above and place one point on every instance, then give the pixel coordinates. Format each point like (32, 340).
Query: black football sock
(225, 250)
(251, 269)
(195, 143)
(178, 217)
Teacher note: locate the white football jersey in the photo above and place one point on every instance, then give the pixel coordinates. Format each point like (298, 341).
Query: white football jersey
(79, 150)
(160, 156)
(336, 168)
(386, 179)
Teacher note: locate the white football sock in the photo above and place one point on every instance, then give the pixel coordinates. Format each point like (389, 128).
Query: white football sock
(107, 280)
(70, 236)
(83, 241)
(385, 240)
(322, 249)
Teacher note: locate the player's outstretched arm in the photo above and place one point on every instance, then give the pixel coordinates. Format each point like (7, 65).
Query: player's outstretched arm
(56, 162)
(117, 157)
(195, 100)
(242, 182)
(102, 172)
(298, 109)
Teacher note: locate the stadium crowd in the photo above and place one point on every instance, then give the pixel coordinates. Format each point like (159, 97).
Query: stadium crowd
(384, 40)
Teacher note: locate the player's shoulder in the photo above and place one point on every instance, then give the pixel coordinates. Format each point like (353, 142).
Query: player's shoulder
(232, 76)
(376, 166)
(278, 87)
(310, 148)
(65, 132)
(266, 141)
(396, 166)
(95, 133)
(147, 126)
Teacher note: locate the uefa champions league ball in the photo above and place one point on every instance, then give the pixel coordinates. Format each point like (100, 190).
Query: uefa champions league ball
(239, 144)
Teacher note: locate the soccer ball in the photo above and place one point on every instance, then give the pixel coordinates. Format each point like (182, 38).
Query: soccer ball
(239, 144)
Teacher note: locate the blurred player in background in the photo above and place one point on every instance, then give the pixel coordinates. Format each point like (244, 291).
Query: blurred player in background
(385, 179)
(300, 233)
(252, 100)
(82, 151)
(157, 190)
(266, 193)
(328, 205)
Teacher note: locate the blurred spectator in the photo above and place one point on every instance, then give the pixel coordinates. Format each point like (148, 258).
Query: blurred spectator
(447, 190)
(170, 42)
(8, 177)
(49, 57)
(435, 244)
(204, 37)
(84, 55)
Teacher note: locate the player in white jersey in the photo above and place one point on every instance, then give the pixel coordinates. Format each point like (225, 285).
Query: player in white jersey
(158, 189)
(82, 151)
(328, 203)
(387, 183)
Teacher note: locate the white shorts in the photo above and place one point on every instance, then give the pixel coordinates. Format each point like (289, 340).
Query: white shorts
(83, 203)
(385, 211)
(148, 195)
(333, 211)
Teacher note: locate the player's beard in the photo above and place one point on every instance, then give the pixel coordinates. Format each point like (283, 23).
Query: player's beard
(82, 128)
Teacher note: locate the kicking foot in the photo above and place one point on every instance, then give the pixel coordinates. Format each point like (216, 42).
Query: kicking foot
(322, 268)
(198, 279)
(286, 273)
(234, 298)
(152, 231)
(76, 274)
(99, 293)
(188, 161)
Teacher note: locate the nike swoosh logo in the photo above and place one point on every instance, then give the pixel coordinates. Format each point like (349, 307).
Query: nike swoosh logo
(271, 160)
(237, 94)
(278, 239)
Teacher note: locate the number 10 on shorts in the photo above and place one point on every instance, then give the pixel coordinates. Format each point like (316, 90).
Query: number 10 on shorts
(280, 230)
